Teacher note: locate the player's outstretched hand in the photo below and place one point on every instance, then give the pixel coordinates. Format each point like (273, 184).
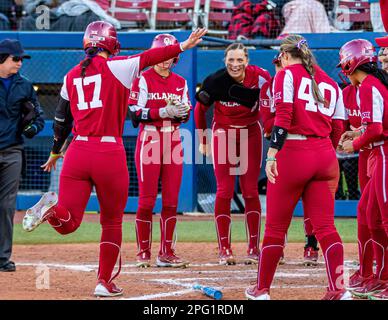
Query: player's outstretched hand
(194, 38)
(51, 162)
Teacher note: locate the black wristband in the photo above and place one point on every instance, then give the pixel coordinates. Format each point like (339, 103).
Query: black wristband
(278, 137)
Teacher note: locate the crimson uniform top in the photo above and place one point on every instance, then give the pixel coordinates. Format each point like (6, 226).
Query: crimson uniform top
(296, 109)
(232, 113)
(352, 108)
(372, 98)
(267, 108)
(151, 90)
(98, 102)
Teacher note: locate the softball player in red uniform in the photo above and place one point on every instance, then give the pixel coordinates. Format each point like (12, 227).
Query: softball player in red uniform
(95, 95)
(159, 153)
(307, 101)
(365, 241)
(232, 120)
(358, 62)
(267, 116)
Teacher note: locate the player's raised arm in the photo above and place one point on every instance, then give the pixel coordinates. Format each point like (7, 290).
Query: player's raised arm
(127, 69)
(154, 56)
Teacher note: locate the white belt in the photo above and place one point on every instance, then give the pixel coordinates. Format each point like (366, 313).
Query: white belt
(294, 136)
(161, 129)
(237, 127)
(103, 138)
(378, 143)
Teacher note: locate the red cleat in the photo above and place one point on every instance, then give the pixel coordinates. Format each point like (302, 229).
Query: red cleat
(226, 257)
(171, 260)
(143, 259)
(310, 256)
(253, 256)
(357, 281)
(382, 295)
(371, 287)
(337, 295)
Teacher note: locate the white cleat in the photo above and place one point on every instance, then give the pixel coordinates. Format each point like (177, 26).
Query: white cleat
(40, 212)
(104, 289)
(253, 293)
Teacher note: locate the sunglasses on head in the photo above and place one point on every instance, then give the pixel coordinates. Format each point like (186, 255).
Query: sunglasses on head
(17, 59)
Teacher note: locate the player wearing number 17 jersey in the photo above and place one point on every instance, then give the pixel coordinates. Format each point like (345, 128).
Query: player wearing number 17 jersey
(307, 102)
(93, 105)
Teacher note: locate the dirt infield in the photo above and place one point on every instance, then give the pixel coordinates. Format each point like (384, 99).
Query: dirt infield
(68, 271)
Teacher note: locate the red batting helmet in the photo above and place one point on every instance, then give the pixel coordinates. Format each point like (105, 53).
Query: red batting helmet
(356, 53)
(101, 34)
(165, 39)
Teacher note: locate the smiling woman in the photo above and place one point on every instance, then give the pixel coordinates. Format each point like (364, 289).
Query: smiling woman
(236, 143)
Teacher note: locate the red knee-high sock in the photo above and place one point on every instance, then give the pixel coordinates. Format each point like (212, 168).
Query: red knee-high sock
(308, 227)
(271, 251)
(223, 222)
(62, 221)
(252, 221)
(380, 247)
(167, 229)
(365, 250)
(110, 245)
(333, 252)
(143, 229)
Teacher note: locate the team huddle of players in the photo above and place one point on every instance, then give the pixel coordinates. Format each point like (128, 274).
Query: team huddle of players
(304, 113)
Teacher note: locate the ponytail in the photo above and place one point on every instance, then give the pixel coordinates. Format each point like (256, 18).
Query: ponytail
(297, 47)
(372, 69)
(90, 54)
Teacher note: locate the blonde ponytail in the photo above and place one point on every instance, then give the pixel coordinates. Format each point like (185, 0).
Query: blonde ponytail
(297, 47)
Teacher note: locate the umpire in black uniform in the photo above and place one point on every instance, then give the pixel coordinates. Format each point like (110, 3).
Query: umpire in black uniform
(20, 115)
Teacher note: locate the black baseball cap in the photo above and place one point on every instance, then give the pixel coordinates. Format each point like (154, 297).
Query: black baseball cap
(13, 47)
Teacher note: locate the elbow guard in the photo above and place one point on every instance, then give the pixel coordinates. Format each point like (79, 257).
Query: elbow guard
(61, 132)
(278, 137)
(63, 123)
(138, 114)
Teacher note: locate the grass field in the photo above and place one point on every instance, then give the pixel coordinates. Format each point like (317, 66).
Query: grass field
(188, 231)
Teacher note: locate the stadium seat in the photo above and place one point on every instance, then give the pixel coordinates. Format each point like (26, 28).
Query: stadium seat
(349, 12)
(173, 14)
(217, 15)
(133, 14)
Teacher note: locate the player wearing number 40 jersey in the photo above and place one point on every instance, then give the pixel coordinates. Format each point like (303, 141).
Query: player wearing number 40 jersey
(94, 96)
(307, 101)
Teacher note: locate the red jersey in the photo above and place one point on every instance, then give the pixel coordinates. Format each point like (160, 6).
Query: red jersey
(296, 109)
(372, 98)
(99, 101)
(232, 113)
(151, 90)
(352, 109)
(267, 108)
